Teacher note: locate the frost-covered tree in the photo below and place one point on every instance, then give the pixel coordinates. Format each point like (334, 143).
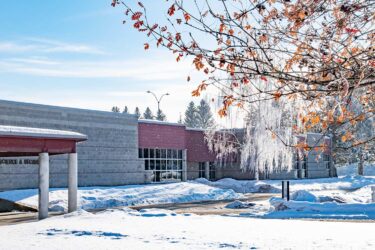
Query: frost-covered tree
(148, 114)
(126, 110)
(263, 143)
(204, 115)
(115, 109)
(191, 116)
(137, 113)
(160, 116)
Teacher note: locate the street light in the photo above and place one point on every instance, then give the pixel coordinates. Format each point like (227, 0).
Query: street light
(156, 98)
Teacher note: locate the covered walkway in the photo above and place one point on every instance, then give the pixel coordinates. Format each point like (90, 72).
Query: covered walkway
(25, 141)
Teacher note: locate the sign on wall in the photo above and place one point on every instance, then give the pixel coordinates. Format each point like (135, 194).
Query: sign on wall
(19, 161)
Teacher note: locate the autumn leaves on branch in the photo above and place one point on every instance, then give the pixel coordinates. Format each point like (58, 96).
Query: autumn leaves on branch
(317, 53)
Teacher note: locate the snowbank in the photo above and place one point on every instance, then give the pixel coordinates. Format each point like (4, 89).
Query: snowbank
(302, 195)
(274, 186)
(352, 169)
(126, 229)
(327, 210)
(107, 197)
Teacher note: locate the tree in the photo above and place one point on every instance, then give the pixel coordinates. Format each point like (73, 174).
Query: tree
(160, 116)
(148, 114)
(311, 51)
(115, 109)
(125, 111)
(137, 113)
(204, 115)
(180, 120)
(191, 116)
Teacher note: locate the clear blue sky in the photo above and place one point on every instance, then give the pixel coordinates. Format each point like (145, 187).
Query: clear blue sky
(77, 53)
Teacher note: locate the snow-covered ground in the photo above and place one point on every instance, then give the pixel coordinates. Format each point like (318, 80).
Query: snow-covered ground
(108, 197)
(158, 229)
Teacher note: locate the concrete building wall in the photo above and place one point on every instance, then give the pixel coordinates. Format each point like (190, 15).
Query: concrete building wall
(108, 157)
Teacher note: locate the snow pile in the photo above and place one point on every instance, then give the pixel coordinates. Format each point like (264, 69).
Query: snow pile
(274, 186)
(328, 210)
(107, 197)
(352, 169)
(243, 186)
(126, 229)
(239, 205)
(302, 195)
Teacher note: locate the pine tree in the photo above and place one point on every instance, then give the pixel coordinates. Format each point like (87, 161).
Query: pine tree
(148, 114)
(137, 113)
(191, 116)
(160, 116)
(115, 109)
(126, 110)
(204, 115)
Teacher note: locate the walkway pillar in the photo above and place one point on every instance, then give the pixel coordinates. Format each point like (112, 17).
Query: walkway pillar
(207, 170)
(43, 185)
(184, 165)
(72, 182)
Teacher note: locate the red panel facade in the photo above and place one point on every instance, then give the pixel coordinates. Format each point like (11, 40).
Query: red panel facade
(154, 135)
(197, 147)
(173, 136)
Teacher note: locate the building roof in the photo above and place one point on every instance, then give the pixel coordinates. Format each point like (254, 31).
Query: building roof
(160, 122)
(13, 131)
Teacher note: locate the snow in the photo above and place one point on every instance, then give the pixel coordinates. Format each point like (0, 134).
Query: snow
(129, 229)
(107, 197)
(302, 195)
(239, 205)
(352, 169)
(350, 182)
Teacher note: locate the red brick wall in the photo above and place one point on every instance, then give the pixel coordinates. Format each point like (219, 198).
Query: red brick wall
(197, 147)
(153, 135)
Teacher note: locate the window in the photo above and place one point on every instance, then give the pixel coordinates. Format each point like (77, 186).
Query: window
(212, 171)
(166, 164)
(201, 171)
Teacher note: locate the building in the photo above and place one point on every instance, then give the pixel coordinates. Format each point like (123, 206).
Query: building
(123, 150)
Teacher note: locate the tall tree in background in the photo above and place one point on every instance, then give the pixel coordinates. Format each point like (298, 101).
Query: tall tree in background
(180, 121)
(191, 116)
(115, 109)
(148, 114)
(126, 110)
(205, 119)
(160, 116)
(137, 113)
(315, 52)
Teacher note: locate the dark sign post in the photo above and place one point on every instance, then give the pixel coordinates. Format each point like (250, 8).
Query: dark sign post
(285, 191)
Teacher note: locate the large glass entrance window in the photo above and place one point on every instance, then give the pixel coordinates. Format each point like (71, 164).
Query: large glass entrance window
(166, 164)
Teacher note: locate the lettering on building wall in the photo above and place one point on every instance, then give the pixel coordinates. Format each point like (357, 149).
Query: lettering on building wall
(18, 162)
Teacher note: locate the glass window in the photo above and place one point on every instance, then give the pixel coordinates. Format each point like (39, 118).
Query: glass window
(169, 153)
(152, 153)
(157, 153)
(174, 154)
(147, 165)
(145, 153)
(179, 154)
(163, 153)
(157, 164)
(180, 164)
(163, 164)
(212, 171)
(202, 173)
(169, 164)
(152, 164)
(140, 153)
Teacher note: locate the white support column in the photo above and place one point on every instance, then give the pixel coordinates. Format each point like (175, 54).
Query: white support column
(184, 165)
(43, 185)
(72, 182)
(207, 170)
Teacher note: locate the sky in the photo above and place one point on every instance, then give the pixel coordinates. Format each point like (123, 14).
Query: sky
(79, 54)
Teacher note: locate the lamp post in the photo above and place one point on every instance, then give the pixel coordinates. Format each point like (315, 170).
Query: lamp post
(157, 99)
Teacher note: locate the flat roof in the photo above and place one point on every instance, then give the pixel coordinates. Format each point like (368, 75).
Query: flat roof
(160, 122)
(14, 131)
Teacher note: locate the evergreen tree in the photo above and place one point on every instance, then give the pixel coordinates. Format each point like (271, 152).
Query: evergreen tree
(137, 113)
(126, 110)
(191, 116)
(148, 114)
(204, 115)
(160, 116)
(115, 109)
